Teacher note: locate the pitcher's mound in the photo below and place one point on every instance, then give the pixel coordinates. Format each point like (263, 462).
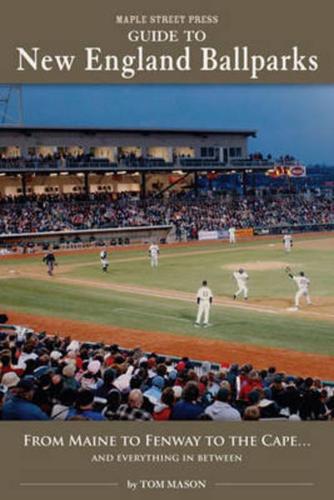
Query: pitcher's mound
(258, 265)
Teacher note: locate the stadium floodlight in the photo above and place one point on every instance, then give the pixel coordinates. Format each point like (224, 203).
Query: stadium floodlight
(11, 105)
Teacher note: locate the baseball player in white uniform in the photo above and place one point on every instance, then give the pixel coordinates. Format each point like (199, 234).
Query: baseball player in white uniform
(288, 243)
(303, 284)
(231, 235)
(241, 278)
(154, 252)
(204, 300)
(104, 260)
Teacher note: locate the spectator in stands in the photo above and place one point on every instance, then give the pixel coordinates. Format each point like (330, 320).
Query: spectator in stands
(104, 390)
(113, 404)
(3, 391)
(252, 381)
(221, 410)
(133, 409)
(9, 381)
(252, 413)
(84, 407)
(267, 407)
(61, 410)
(163, 408)
(188, 408)
(69, 380)
(20, 406)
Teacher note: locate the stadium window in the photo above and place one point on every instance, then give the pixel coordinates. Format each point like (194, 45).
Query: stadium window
(235, 152)
(208, 152)
(32, 151)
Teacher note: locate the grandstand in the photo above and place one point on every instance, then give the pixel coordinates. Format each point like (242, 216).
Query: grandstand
(105, 169)
(56, 378)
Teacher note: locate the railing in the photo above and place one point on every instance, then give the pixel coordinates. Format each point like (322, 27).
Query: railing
(129, 164)
(293, 228)
(144, 162)
(199, 162)
(253, 163)
(56, 165)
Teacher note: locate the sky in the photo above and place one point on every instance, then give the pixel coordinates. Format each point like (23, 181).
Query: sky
(294, 119)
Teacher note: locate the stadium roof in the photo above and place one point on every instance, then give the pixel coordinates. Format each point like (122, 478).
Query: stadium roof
(144, 130)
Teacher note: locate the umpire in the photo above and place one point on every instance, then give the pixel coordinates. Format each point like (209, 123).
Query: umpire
(50, 261)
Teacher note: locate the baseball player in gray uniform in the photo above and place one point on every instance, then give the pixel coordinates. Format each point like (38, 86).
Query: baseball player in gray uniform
(288, 242)
(241, 278)
(104, 259)
(303, 284)
(232, 235)
(154, 252)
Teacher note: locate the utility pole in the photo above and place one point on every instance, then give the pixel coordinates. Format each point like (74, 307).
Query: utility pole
(11, 105)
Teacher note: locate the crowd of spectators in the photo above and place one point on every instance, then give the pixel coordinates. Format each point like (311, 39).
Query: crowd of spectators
(283, 159)
(63, 159)
(55, 160)
(186, 211)
(50, 377)
(221, 212)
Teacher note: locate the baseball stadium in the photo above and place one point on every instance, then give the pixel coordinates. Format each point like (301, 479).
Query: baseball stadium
(107, 236)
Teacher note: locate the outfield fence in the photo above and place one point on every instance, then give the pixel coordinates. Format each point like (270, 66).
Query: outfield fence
(294, 228)
(81, 238)
(87, 237)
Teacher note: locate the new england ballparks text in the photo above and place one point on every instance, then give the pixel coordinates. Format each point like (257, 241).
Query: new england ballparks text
(238, 59)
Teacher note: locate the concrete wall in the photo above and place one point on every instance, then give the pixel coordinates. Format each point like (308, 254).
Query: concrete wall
(133, 235)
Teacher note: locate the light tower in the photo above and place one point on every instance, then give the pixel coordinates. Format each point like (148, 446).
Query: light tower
(11, 105)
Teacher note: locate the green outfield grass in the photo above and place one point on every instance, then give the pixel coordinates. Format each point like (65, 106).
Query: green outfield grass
(182, 269)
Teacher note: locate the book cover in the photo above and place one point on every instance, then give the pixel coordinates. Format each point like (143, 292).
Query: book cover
(166, 249)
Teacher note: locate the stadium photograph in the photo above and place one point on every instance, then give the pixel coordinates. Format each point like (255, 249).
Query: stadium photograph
(166, 253)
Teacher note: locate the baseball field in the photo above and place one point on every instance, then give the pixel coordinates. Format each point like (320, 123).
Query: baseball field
(135, 305)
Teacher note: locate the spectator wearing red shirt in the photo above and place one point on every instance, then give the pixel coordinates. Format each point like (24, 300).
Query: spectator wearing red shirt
(252, 382)
(163, 409)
